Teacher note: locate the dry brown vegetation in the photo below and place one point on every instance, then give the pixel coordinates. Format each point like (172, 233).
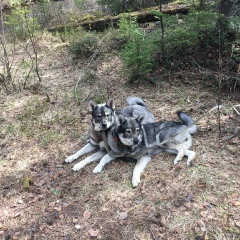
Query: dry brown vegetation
(42, 199)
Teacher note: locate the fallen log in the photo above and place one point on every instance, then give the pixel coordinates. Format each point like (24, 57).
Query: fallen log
(111, 21)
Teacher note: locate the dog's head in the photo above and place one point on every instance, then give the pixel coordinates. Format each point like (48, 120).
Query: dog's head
(103, 115)
(130, 131)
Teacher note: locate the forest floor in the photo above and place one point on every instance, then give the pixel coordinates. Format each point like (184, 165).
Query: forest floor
(41, 198)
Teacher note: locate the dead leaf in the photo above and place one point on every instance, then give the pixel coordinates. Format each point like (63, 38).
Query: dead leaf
(236, 203)
(145, 210)
(93, 233)
(40, 183)
(203, 214)
(169, 205)
(3, 228)
(75, 220)
(122, 222)
(188, 205)
(87, 214)
(123, 215)
(42, 227)
(58, 208)
(51, 204)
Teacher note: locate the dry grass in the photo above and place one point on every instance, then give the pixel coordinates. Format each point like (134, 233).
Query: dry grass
(172, 202)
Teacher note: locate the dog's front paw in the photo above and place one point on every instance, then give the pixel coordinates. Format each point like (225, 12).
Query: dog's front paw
(176, 161)
(97, 169)
(70, 159)
(77, 167)
(135, 181)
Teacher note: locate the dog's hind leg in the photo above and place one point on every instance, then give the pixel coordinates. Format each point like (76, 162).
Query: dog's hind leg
(188, 153)
(191, 155)
(86, 149)
(105, 160)
(139, 168)
(95, 157)
(177, 149)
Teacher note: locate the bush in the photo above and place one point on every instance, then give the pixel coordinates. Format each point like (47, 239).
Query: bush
(197, 40)
(194, 40)
(191, 30)
(137, 52)
(83, 46)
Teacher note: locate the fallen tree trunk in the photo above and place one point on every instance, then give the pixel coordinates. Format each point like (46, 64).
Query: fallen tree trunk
(102, 24)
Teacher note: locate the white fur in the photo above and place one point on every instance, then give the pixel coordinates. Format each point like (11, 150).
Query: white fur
(105, 160)
(181, 149)
(139, 168)
(86, 149)
(126, 141)
(98, 126)
(95, 157)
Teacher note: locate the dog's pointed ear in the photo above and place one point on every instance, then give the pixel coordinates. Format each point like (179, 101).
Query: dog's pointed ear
(111, 103)
(121, 119)
(140, 119)
(91, 105)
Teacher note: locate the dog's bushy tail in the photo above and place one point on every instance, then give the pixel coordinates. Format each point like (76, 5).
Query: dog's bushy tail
(187, 120)
(136, 101)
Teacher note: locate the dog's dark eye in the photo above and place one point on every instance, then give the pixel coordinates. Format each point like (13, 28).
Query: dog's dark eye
(107, 115)
(98, 116)
(128, 131)
(137, 129)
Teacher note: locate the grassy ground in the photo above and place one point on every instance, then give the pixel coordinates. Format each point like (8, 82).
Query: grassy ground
(42, 199)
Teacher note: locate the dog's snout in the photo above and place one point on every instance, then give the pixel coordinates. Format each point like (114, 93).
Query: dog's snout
(104, 125)
(135, 141)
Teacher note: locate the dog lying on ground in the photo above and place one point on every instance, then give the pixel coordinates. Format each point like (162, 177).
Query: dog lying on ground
(103, 118)
(133, 138)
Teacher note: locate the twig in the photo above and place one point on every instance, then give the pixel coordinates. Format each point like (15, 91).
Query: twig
(153, 236)
(230, 138)
(236, 110)
(88, 95)
(87, 227)
(90, 61)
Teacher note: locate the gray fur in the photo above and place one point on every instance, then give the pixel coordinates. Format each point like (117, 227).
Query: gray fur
(135, 101)
(103, 118)
(150, 135)
(140, 141)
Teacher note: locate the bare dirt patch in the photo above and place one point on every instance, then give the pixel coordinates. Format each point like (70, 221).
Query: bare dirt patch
(42, 199)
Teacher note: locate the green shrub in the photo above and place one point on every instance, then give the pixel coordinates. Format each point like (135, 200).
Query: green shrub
(191, 30)
(193, 40)
(83, 46)
(116, 40)
(128, 26)
(137, 57)
(137, 52)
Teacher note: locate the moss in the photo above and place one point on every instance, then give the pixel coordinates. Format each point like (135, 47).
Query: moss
(26, 183)
(88, 18)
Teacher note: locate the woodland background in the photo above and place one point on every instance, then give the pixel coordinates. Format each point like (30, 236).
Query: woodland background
(56, 56)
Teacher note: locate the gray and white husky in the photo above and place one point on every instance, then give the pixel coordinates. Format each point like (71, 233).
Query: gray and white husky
(133, 138)
(103, 118)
